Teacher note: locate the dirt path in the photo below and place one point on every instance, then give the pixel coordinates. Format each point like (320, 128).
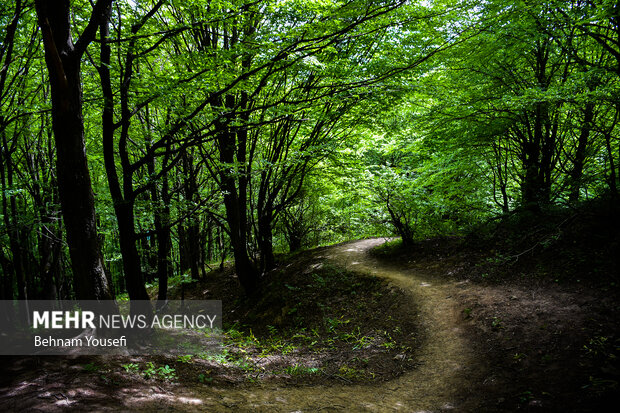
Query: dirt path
(447, 367)
(466, 362)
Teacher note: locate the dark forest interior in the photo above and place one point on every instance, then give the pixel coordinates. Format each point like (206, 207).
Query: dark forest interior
(403, 206)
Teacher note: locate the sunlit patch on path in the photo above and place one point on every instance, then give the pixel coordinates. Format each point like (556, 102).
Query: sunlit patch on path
(441, 382)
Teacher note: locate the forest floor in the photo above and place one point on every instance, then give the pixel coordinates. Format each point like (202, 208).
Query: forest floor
(439, 334)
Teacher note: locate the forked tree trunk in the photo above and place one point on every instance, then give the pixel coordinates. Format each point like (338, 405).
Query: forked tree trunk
(63, 60)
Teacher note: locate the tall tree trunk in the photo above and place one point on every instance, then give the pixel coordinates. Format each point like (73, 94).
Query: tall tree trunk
(164, 265)
(12, 221)
(183, 248)
(265, 239)
(210, 241)
(580, 154)
(131, 259)
(164, 245)
(123, 203)
(530, 185)
(539, 139)
(193, 234)
(63, 60)
(547, 155)
(247, 274)
(613, 187)
(234, 186)
(221, 246)
(192, 230)
(164, 242)
(48, 239)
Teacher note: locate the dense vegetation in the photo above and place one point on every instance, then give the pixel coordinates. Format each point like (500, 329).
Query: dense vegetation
(146, 139)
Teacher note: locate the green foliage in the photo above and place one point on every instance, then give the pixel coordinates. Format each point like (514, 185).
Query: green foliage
(298, 370)
(322, 121)
(185, 359)
(165, 372)
(149, 371)
(602, 347)
(203, 378)
(131, 367)
(91, 367)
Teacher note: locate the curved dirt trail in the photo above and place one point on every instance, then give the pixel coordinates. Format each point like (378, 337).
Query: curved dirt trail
(441, 382)
(444, 379)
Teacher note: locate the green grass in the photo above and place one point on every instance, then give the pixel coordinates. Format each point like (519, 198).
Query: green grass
(150, 370)
(299, 370)
(388, 249)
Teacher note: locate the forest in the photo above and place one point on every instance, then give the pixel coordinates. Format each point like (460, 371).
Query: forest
(235, 150)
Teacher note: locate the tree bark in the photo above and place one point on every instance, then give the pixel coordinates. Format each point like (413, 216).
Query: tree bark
(265, 239)
(576, 174)
(63, 60)
(232, 150)
(235, 217)
(192, 230)
(613, 187)
(123, 198)
(164, 243)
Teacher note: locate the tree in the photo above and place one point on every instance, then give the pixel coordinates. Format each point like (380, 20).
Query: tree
(264, 108)
(522, 98)
(63, 58)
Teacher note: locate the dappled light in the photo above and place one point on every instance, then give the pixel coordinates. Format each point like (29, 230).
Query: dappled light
(309, 205)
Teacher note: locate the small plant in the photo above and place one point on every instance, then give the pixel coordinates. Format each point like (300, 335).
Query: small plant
(297, 370)
(333, 323)
(320, 281)
(526, 396)
(388, 344)
(166, 373)
(185, 359)
(107, 380)
(131, 367)
(240, 338)
(389, 341)
(203, 378)
(272, 330)
(349, 373)
(149, 371)
(218, 357)
(498, 259)
(362, 342)
(599, 345)
(91, 367)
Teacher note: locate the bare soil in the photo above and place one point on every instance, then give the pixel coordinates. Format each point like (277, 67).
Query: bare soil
(465, 344)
